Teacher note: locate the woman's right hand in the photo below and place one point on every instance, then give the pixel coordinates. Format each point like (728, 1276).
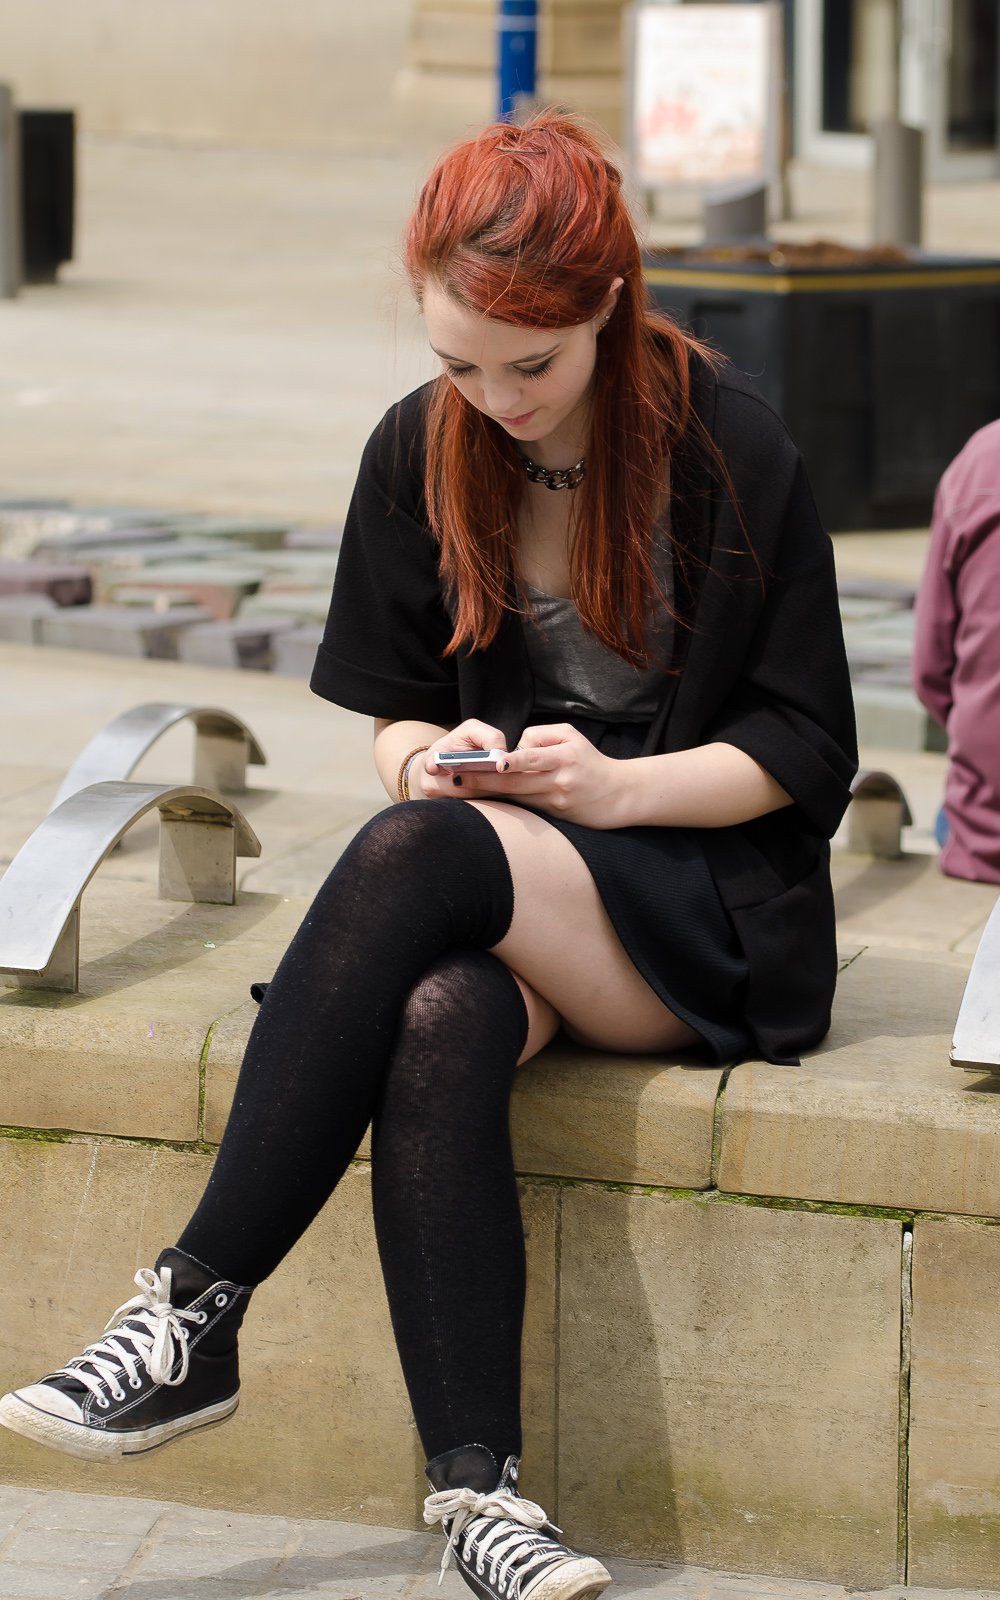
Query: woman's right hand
(428, 781)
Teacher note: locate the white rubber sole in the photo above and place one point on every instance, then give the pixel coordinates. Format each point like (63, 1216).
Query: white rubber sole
(99, 1444)
(582, 1579)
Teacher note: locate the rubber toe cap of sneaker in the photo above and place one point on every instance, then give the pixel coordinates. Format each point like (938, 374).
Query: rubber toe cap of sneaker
(41, 1397)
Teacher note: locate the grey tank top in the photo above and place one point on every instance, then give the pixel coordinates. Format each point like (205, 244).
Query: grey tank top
(574, 672)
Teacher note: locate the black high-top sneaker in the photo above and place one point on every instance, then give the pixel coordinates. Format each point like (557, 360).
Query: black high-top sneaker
(167, 1363)
(504, 1546)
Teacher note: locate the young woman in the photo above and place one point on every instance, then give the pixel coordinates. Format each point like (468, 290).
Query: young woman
(591, 549)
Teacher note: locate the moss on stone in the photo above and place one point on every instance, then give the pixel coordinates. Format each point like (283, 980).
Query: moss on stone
(949, 1550)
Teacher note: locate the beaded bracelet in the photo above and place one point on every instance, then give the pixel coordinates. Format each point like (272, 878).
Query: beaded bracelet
(403, 780)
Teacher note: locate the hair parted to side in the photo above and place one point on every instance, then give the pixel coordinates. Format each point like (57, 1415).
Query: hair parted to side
(529, 225)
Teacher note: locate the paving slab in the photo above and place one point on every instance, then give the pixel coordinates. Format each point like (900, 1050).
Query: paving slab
(877, 1116)
(57, 701)
(301, 835)
(906, 904)
(332, 1560)
(300, 855)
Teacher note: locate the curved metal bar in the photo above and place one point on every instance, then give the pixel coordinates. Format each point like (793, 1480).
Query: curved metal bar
(976, 1043)
(878, 814)
(201, 835)
(222, 748)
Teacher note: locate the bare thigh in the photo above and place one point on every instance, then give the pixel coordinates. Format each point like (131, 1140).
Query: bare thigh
(564, 952)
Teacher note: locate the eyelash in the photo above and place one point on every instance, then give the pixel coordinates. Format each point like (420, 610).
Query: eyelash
(526, 372)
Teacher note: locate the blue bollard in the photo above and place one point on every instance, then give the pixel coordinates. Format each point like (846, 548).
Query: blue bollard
(517, 25)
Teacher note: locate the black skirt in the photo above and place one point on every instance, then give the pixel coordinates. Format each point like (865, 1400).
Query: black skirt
(663, 904)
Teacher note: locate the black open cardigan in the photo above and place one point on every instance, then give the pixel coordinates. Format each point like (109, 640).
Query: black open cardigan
(761, 666)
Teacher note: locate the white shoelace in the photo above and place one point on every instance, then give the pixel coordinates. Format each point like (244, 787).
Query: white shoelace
(156, 1343)
(461, 1505)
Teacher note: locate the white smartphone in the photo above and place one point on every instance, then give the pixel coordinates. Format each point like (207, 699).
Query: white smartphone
(469, 760)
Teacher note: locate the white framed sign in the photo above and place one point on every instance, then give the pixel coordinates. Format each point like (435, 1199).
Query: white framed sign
(704, 94)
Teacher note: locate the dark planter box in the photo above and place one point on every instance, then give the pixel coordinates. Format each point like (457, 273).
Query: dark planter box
(881, 368)
(48, 191)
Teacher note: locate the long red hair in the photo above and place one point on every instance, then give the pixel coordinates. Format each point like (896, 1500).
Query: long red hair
(529, 225)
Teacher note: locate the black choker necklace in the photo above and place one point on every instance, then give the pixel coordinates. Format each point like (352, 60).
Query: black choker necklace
(555, 477)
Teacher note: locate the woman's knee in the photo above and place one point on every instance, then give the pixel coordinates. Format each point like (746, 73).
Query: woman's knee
(420, 834)
(464, 994)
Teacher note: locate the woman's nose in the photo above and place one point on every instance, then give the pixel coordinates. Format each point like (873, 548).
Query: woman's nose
(502, 396)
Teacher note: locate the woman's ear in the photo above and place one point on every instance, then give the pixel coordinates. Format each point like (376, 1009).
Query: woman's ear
(609, 302)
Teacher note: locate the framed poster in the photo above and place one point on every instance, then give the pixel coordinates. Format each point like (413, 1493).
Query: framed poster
(704, 94)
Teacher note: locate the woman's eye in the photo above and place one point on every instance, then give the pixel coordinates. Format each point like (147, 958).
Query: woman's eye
(457, 372)
(535, 372)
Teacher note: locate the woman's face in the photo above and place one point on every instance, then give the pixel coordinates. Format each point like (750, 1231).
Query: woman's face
(534, 382)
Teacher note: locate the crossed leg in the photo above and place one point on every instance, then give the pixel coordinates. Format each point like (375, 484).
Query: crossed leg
(564, 952)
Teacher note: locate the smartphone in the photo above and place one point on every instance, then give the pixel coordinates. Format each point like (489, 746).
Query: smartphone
(469, 760)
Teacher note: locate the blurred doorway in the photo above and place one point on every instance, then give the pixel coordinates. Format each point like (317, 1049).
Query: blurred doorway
(934, 62)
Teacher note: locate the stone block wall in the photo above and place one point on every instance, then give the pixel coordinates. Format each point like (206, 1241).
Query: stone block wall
(705, 1382)
(761, 1332)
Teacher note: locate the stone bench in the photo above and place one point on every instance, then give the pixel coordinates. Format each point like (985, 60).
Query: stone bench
(122, 630)
(761, 1330)
(21, 617)
(237, 642)
(220, 587)
(295, 653)
(68, 585)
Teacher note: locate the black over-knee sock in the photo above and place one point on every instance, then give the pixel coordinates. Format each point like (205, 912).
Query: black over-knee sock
(419, 879)
(447, 1216)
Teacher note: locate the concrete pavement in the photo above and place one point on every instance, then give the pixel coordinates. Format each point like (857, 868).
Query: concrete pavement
(56, 1546)
(236, 321)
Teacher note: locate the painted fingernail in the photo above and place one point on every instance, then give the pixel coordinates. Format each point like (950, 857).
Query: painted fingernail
(505, 767)
(456, 780)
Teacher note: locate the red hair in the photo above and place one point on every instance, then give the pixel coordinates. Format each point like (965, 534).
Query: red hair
(528, 225)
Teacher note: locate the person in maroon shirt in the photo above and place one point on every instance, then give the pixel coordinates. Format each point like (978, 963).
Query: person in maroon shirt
(956, 662)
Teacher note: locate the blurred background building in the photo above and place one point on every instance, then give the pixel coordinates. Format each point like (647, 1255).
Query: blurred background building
(255, 73)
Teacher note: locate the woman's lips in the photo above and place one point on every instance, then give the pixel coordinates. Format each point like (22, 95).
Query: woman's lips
(517, 422)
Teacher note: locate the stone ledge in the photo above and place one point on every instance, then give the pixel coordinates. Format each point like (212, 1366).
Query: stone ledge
(574, 1114)
(877, 1116)
(124, 1056)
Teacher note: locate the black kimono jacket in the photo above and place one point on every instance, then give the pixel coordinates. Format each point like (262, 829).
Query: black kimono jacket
(762, 666)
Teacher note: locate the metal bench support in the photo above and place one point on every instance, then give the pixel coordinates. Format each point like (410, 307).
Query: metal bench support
(878, 814)
(222, 748)
(976, 1044)
(201, 835)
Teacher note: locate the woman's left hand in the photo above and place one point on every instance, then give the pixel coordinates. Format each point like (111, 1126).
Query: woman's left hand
(558, 770)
